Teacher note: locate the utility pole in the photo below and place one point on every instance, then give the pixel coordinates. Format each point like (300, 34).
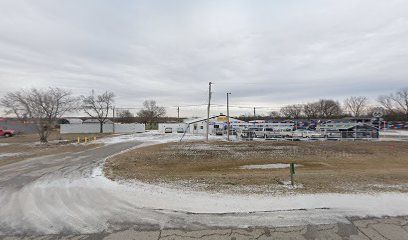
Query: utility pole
(113, 119)
(254, 112)
(228, 118)
(178, 113)
(208, 111)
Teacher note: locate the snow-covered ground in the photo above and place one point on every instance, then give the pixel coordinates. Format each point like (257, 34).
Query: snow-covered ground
(162, 197)
(156, 137)
(79, 198)
(394, 135)
(166, 197)
(397, 133)
(4, 155)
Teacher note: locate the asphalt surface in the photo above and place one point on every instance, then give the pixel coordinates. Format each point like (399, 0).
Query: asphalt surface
(61, 197)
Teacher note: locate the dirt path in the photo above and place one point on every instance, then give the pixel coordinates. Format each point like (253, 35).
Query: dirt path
(66, 195)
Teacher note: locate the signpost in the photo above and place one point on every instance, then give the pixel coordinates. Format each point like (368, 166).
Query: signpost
(378, 116)
(292, 172)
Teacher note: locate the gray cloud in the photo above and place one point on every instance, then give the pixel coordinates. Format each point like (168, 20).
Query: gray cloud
(267, 53)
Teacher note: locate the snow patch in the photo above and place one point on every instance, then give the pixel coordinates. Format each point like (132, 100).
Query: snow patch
(155, 136)
(394, 133)
(145, 195)
(4, 155)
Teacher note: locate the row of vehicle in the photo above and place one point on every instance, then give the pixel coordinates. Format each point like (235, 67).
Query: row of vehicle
(273, 133)
(170, 130)
(397, 125)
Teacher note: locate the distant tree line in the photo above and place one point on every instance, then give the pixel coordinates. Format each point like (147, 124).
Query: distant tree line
(150, 114)
(393, 106)
(99, 106)
(45, 107)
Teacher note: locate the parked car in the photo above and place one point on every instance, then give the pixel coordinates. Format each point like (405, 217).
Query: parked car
(297, 134)
(271, 133)
(247, 134)
(257, 132)
(168, 130)
(233, 132)
(219, 131)
(287, 134)
(180, 130)
(6, 132)
(307, 134)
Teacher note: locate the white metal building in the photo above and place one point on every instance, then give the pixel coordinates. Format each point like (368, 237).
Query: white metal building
(107, 128)
(172, 127)
(217, 124)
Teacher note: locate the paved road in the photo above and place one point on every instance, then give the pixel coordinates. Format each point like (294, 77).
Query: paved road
(62, 197)
(395, 228)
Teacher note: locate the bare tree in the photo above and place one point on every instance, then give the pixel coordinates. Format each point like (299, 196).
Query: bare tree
(292, 111)
(43, 106)
(357, 106)
(13, 104)
(401, 101)
(396, 102)
(151, 112)
(386, 102)
(126, 116)
(98, 107)
(328, 108)
(274, 114)
(311, 110)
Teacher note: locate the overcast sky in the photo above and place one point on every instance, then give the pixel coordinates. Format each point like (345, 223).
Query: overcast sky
(266, 53)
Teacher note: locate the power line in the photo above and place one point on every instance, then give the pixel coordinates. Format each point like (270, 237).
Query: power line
(208, 110)
(205, 105)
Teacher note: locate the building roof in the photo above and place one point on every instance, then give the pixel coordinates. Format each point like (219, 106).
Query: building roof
(196, 120)
(74, 120)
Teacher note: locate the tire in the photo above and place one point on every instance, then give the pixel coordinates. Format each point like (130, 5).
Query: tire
(7, 135)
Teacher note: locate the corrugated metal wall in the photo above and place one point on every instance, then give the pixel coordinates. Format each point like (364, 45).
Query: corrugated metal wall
(107, 128)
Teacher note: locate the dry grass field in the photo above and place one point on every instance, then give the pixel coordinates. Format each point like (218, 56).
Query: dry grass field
(218, 166)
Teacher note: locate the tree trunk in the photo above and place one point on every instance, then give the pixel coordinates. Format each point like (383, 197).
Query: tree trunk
(42, 133)
(43, 139)
(101, 127)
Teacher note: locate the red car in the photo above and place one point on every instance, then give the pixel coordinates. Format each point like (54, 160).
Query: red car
(6, 133)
